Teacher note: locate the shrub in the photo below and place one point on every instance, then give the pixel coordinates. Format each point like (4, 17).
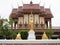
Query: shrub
(13, 35)
(24, 34)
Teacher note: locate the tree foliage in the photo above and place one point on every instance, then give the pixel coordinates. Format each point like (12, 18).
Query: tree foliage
(4, 29)
(49, 32)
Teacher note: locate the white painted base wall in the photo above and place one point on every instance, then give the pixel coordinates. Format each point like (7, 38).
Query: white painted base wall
(30, 41)
(31, 36)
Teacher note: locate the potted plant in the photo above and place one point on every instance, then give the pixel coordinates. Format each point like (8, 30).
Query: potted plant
(49, 33)
(24, 34)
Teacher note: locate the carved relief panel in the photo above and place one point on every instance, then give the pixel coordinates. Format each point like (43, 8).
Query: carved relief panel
(20, 20)
(41, 20)
(36, 19)
(26, 19)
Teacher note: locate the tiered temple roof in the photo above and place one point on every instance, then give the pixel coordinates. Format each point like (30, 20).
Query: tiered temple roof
(28, 8)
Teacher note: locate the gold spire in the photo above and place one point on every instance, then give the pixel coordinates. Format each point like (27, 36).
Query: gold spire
(44, 36)
(18, 36)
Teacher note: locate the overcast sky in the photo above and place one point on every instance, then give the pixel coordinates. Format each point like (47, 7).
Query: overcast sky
(7, 5)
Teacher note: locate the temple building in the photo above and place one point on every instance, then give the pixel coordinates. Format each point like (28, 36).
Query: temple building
(40, 15)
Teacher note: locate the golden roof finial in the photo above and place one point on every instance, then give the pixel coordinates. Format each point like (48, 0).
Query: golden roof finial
(44, 36)
(18, 36)
(31, 2)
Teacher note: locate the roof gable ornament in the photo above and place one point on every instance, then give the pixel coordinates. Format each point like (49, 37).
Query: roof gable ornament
(31, 2)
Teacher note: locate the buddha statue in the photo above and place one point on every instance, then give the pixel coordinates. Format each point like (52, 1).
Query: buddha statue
(31, 25)
(44, 36)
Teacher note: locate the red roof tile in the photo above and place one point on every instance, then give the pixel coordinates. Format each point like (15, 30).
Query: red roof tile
(27, 8)
(19, 9)
(48, 12)
(14, 13)
(14, 10)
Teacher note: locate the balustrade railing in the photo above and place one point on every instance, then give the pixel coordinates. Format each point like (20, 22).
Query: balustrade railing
(30, 42)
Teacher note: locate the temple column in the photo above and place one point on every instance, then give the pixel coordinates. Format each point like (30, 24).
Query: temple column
(15, 25)
(50, 23)
(18, 22)
(11, 26)
(47, 24)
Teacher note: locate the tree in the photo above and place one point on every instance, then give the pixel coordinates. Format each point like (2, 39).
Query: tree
(49, 32)
(2, 22)
(4, 29)
(11, 22)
